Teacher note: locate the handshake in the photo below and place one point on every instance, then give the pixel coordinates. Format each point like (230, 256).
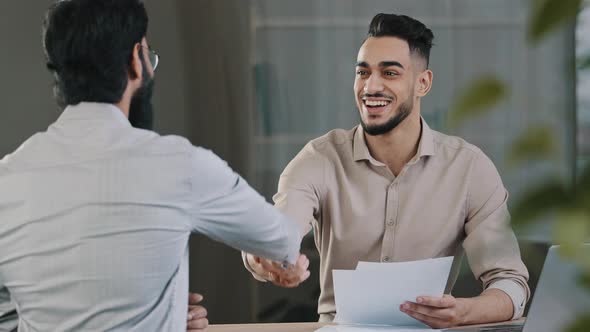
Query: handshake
(285, 276)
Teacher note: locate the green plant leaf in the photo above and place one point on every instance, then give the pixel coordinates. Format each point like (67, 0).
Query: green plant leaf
(585, 280)
(546, 198)
(548, 15)
(535, 144)
(572, 229)
(481, 94)
(582, 324)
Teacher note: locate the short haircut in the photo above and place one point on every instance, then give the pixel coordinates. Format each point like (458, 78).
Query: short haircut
(414, 32)
(89, 47)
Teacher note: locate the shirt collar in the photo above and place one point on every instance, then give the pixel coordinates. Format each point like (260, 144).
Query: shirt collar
(94, 111)
(425, 147)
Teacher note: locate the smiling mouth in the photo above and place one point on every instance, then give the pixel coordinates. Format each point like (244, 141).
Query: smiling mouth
(376, 103)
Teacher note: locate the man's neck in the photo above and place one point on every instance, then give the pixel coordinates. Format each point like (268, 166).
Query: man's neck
(397, 147)
(123, 105)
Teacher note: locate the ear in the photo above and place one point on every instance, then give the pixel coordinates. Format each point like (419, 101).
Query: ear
(135, 68)
(423, 83)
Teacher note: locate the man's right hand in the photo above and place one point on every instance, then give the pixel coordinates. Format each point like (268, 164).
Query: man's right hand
(272, 271)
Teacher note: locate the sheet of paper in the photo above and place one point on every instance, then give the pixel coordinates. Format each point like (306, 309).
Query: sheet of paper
(350, 328)
(373, 293)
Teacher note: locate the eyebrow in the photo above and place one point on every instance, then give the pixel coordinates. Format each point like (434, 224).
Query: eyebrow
(382, 64)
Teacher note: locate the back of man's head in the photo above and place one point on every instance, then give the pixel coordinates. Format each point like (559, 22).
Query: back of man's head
(418, 36)
(88, 46)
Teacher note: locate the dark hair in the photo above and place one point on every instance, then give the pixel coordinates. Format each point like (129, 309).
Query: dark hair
(89, 46)
(418, 36)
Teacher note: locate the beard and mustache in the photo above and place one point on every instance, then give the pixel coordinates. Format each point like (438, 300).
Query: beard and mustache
(141, 110)
(404, 111)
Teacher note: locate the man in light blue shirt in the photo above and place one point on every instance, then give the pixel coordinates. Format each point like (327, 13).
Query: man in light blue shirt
(95, 214)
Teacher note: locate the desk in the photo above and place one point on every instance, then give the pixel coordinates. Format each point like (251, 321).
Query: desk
(310, 327)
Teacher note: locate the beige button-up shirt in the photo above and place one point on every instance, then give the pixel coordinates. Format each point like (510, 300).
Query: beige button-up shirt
(448, 195)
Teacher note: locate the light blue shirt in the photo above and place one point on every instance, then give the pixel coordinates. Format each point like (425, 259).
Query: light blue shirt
(95, 218)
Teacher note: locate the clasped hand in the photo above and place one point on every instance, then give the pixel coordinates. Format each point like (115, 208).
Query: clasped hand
(288, 277)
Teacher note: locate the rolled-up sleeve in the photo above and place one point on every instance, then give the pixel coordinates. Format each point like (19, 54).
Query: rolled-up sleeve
(228, 210)
(490, 244)
(516, 293)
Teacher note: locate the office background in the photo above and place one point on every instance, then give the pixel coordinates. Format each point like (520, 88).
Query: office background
(255, 80)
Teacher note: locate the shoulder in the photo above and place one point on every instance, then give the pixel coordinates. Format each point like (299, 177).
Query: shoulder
(177, 150)
(328, 148)
(456, 149)
(454, 144)
(29, 149)
(200, 158)
(475, 164)
(154, 142)
(333, 139)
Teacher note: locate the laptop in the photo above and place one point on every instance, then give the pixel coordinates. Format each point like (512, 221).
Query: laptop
(558, 299)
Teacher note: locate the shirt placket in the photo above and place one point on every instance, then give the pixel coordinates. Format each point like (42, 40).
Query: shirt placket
(391, 213)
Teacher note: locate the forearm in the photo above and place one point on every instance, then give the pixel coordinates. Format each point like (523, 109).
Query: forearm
(493, 305)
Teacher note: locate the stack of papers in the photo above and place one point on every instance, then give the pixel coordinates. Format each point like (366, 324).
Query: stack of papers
(371, 295)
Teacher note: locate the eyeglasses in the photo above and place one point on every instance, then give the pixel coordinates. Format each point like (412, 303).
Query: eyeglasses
(153, 56)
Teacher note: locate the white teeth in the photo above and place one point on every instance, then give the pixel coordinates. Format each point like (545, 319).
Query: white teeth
(374, 103)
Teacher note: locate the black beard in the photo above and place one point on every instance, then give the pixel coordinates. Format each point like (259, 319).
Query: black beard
(141, 110)
(404, 110)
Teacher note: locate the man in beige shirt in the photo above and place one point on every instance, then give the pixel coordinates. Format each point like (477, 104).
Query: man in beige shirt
(392, 189)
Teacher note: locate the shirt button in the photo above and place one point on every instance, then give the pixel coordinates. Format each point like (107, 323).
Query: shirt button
(390, 222)
(386, 259)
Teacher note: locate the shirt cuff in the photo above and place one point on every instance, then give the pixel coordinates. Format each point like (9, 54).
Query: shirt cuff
(250, 269)
(516, 293)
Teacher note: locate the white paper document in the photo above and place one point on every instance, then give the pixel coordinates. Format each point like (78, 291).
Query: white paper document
(372, 294)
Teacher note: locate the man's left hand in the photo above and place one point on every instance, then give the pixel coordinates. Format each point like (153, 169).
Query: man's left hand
(196, 320)
(437, 312)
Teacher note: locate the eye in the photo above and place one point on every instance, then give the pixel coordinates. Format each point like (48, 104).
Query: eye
(390, 73)
(361, 72)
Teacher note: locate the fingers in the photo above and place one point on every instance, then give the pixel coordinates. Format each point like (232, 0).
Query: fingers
(194, 298)
(295, 281)
(196, 312)
(295, 274)
(428, 320)
(445, 314)
(288, 277)
(288, 280)
(196, 318)
(197, 325)
(302, 262)
(439, 302)
(270, 266)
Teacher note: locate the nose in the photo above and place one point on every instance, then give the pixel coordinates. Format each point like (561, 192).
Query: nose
(373, 84)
